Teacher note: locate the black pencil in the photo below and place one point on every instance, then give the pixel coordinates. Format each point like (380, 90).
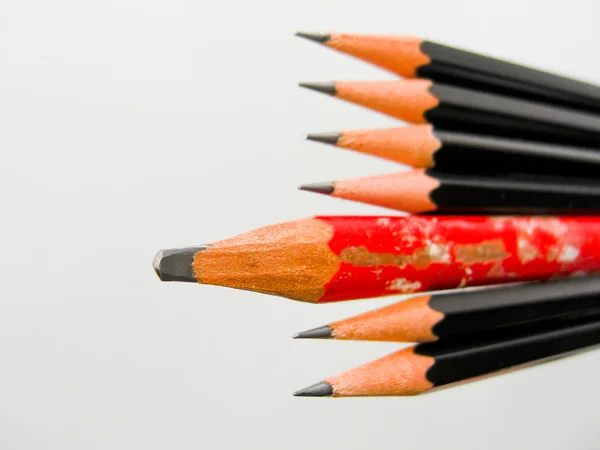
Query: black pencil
(433, 317)
(422, 146)
(428, 191)
(420, 368)
(458, 109)
(414, 57)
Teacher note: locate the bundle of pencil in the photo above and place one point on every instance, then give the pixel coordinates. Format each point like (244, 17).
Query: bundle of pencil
(486, 137)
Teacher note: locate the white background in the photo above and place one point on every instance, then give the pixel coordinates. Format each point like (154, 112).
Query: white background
(127, 126)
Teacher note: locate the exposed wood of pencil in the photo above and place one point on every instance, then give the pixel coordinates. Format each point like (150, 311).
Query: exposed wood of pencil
(420, 368)
(459, 109)
(333, 258)
(413, 145)
(421, 191)
(421, 146)
(432, 317)
(411, 57)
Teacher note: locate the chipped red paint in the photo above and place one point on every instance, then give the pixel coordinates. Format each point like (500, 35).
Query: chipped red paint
(392, 255)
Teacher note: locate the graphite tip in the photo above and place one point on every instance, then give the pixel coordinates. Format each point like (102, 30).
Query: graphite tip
(323, 332)
(326, 188)
(176, 264)
(325, 88)
(321, 38)
(325, 138)
(320, 389)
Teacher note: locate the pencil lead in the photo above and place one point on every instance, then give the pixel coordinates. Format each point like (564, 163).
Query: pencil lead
(325, 88)
(325, 138)
(321, 38)
(176, 264)
(323, 332)
(320, 389)
(326, 188)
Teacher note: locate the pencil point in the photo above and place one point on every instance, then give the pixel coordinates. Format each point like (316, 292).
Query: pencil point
(321, 38)
(320, 188)
(323, 332)
(176, 264)
(320, 389)
(325, 138)
(325, 88)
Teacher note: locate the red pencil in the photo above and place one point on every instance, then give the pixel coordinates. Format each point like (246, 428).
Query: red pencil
(327, 259)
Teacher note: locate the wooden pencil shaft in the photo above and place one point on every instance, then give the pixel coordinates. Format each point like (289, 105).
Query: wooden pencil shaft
(461, 360)
(571, 292)
(461, 152)
(463, 68)
(485, 82)
(475, 122)
(521, 109)
(483, 321)
(480, 112)
(513, 320)
(523, 195)
(478, 63)
(519, 147)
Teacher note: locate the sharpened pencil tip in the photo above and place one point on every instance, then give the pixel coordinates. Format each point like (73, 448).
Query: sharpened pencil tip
(320, 188)
(321, 38)
(156, 262)
(323, 332)
(325, 138)
(176, 264)
(325, 88)
(320, 389)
